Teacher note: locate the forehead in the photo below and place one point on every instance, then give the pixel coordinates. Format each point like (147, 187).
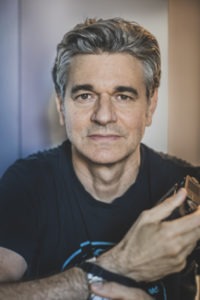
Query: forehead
(106, 69)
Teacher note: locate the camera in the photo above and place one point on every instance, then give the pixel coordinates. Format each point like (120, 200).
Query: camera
(192, 201)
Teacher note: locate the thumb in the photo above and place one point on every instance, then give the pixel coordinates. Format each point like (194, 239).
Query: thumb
(164, 209)
(113, 290)
(102, 289)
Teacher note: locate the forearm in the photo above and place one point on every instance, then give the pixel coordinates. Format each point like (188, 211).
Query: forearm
(69, 285)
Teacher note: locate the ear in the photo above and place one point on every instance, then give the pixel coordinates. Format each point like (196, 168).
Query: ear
(60, 110)
(152, 104)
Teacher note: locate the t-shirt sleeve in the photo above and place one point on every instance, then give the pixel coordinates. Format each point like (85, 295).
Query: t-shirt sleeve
(18, 224)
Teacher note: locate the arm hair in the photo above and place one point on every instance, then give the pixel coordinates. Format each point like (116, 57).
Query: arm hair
(69, 285)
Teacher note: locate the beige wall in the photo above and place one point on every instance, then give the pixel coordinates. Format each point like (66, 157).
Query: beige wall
(184, 79)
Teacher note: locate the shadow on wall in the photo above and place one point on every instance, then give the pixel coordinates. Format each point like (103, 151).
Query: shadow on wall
(57, 133)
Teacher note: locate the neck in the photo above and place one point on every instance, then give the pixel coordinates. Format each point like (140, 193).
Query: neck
(107, 182)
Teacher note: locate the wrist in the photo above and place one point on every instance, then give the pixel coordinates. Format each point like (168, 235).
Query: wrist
(95, 274)
(110, 261)
(99, 274)
(81, 277)
(115, 261)
(89, 279)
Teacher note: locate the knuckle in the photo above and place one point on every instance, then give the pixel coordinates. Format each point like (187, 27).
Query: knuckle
(145, 216)
(177, 262)
(174, 251)
(166, 232)
(181, 266)
(180, 260)
(174, 244)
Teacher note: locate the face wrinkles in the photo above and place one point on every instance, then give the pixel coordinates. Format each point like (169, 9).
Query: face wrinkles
(109, 128)
(106, 107)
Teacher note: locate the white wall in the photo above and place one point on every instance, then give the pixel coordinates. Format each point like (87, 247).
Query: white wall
(41, 25)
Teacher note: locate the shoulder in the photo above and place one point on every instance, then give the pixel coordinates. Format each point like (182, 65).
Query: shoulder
(168, 164)
(165, 170)
(35, 165)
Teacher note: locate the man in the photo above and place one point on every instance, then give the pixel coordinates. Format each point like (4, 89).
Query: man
(94, 196)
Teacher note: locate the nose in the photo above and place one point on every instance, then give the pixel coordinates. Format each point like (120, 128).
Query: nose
(104, 111)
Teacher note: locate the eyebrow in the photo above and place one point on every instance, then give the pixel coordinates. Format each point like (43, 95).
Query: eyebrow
(81, 87)
(129, 89)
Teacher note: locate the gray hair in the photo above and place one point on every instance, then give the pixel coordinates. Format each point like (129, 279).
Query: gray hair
(112, 36)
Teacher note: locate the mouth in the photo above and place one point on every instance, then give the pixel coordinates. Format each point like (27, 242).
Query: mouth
(104, 137)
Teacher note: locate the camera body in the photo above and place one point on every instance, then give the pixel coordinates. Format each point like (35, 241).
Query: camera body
(192, 201)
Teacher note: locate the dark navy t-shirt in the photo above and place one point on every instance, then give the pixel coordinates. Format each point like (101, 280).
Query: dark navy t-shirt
(48, 217)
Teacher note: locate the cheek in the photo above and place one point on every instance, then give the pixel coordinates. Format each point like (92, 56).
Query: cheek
(135, 122)
(74, 124)
(69, 124)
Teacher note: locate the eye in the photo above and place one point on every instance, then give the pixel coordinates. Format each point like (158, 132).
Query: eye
(85, 96)
(124, 97)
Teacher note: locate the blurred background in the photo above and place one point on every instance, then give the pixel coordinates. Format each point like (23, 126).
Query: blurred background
(29, 33)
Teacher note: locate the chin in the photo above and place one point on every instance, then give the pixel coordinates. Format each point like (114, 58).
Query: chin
(103, 161)
(102, 155)
(102, 158)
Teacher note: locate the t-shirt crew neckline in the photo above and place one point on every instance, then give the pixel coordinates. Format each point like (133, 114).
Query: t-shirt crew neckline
(76, 184)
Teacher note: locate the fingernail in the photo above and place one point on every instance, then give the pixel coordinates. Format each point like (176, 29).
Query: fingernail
(181, 194)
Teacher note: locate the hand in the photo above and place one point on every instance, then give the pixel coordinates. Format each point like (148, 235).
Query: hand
(112, 290)
(154, 248)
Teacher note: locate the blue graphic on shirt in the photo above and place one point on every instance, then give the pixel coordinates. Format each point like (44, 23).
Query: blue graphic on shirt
(89, 249)
(153, 290)
(157, 290)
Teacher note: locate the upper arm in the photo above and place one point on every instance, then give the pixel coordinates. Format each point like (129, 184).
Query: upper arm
(12, 265)
(18, 222)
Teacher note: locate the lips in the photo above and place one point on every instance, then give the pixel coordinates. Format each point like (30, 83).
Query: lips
(103, 137)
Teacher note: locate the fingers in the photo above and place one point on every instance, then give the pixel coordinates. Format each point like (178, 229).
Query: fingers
(188, 223)
(158, 247)
(182, 232)
(163, 210)
(112, 290)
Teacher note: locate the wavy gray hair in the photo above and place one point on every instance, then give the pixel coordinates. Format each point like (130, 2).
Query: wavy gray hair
(112, 36)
